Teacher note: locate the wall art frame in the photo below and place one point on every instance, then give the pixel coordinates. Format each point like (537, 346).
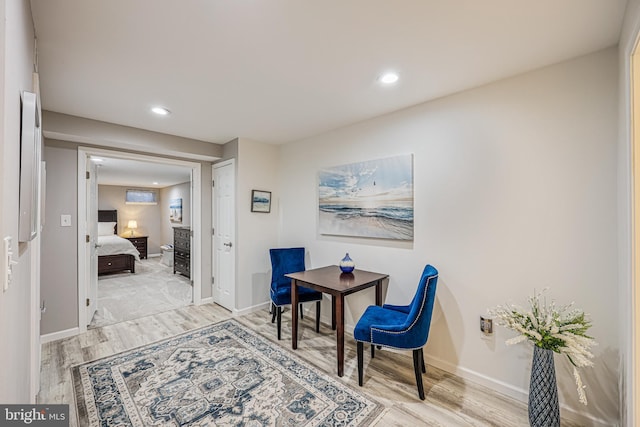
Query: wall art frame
(30, 158)
(260, 201)
(372, 199)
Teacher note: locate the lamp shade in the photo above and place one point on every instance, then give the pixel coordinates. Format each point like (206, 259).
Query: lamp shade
(132, 224)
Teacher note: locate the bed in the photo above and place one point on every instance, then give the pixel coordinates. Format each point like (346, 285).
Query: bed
(115, 254)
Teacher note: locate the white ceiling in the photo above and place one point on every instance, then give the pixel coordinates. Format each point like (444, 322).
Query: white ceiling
(281, 70)
(135, 173)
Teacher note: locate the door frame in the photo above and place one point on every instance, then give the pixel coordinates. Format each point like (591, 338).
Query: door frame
(633, 366)
(196, 216)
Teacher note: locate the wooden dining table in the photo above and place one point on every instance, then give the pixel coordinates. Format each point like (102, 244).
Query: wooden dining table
(331, 280)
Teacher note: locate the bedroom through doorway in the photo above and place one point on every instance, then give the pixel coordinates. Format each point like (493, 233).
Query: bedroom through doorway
(141, 207)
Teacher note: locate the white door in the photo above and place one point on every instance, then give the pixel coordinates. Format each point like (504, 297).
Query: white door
(224, 225)
(92, 241)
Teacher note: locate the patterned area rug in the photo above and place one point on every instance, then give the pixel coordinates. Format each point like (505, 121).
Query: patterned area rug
(220, 375)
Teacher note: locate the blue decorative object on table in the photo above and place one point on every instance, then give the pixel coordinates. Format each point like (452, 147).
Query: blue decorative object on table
(346, 264)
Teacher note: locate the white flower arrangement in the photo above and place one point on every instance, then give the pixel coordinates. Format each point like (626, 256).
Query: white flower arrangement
(560, 329)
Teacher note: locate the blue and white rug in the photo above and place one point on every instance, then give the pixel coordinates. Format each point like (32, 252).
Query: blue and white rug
(220, 375)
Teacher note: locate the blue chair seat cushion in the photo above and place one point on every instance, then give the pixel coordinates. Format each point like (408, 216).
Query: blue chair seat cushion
(392, 321)
(282, 295)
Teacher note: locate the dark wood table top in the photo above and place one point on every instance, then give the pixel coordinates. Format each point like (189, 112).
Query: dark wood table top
(332, 280)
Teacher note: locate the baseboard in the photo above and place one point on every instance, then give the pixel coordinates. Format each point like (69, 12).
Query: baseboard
(261, 306)
(153, 255)
(509, 390)
(55, 336)
(208, 300)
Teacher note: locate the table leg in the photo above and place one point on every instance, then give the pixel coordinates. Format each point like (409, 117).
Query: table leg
(294, 314)
(333, 312)
(379, 292)
(340, 334)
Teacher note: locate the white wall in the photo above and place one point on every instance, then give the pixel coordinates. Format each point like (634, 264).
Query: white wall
(515, 191)
(60, 244)
(16, 67)
(256, 169)
(178, 191)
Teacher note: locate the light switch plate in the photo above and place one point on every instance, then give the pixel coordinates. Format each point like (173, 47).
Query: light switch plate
(65, 220)
(7, 263)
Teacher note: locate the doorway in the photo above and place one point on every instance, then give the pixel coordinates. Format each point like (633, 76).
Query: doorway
(87, 280)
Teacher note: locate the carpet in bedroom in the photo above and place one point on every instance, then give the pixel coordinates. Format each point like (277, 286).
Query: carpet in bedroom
(152, 289)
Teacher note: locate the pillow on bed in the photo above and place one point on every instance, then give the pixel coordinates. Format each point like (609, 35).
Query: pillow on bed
(106, 228)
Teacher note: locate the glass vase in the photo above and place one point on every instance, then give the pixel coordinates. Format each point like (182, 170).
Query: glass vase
(346, 264)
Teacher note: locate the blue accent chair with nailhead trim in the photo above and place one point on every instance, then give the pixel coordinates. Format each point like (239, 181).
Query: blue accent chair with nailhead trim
(404, 327)
(286, 261)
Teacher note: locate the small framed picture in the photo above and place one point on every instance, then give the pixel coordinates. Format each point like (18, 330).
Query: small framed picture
(260, 201)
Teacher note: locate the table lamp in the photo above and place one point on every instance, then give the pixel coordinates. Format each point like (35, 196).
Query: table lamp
(132, 224)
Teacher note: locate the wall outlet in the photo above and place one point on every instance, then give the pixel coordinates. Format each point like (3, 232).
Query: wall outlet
(486, 325)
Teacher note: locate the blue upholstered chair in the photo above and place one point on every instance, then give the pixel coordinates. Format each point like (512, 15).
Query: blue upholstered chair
(403, 327)
(285, 261)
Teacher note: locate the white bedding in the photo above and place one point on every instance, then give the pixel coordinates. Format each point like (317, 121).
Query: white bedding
(115, 245)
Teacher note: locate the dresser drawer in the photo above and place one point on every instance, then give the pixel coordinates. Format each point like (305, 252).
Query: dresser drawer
(182, 251)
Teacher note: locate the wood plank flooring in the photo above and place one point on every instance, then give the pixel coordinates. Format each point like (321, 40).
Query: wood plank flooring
(389, 378)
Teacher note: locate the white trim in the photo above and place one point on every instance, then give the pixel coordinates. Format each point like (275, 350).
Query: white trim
(82, 232)
(208, 300)
(196, 224)
(629, 299)
(257, 307)
(54, 336)
(153, 255)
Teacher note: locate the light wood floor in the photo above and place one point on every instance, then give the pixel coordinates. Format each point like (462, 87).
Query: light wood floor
(389, 378)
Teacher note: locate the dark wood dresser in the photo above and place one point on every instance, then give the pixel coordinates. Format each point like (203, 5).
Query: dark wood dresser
(182, 251)
(140, 243)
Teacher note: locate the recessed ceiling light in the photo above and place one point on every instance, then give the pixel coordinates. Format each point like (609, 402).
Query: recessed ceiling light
(155, 183)
(389, 78)
(161, 111)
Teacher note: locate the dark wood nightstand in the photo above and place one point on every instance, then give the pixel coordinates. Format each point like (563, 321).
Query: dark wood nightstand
(140, 242)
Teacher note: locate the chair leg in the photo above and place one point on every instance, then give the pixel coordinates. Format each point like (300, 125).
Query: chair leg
(317, 316)
(279, 316)
(360, 346)
(417, 367)
(273, 312)
(424, 368)
(301, 312)
(373, 351)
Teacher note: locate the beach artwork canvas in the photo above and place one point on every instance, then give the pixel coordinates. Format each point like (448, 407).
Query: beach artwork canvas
(367, 199)
(175, 211)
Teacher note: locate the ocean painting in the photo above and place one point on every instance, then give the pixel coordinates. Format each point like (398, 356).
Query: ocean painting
(175, 211)
(368, 199)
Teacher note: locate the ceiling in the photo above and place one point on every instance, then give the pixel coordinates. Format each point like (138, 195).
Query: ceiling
(125, 172)
(282, 70)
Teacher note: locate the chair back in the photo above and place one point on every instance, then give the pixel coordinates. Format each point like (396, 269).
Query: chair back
(421, 308)
(285, 261)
